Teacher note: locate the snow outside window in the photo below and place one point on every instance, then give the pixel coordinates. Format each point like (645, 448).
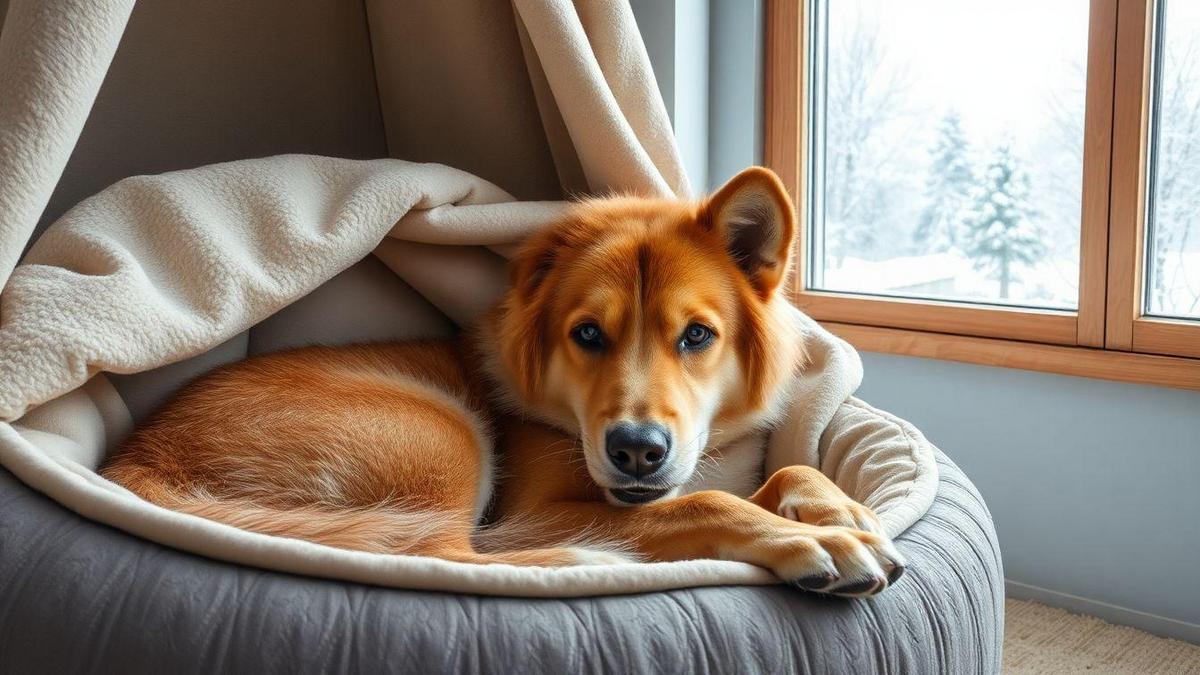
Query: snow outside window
(1172, 284)
(947, 149)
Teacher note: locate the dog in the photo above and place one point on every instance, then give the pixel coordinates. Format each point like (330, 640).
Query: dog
(613, 407)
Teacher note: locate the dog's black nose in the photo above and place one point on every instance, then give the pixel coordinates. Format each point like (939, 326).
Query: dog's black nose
(637, 449)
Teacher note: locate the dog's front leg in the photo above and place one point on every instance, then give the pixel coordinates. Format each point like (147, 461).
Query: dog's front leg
(714, 524)
(805, 495)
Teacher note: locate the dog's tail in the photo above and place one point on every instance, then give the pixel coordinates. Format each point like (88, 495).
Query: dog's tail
(379, 528)
(382, 529)
(390, 527)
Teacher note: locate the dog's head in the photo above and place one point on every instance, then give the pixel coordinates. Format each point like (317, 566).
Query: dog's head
(648, 327)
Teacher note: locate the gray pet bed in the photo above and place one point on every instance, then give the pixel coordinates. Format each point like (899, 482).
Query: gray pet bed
(80, 597)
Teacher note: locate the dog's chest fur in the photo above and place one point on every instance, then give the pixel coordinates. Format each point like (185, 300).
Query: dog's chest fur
(736, 468)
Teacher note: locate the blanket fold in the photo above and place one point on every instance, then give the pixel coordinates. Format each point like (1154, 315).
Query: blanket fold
(159, 268)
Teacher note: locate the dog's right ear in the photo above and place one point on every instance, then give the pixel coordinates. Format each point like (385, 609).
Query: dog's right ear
(755, 217)
(532, 263)
(522, 324)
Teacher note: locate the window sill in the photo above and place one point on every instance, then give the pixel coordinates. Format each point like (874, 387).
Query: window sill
(1163, 371)
(921, 315)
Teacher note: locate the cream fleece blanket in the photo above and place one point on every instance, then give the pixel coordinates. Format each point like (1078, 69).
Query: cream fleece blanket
(157, 269)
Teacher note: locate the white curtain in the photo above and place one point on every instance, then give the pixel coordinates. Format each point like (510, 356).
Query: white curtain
(53, 57)
(444, 90)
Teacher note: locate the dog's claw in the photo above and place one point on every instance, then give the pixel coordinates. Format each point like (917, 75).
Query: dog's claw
(816, 582)
(869, 586)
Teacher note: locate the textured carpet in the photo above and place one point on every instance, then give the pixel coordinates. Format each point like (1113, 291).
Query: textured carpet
(1041, 639)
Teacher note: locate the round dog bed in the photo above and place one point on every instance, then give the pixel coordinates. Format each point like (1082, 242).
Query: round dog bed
(121, 600)
(76, 596)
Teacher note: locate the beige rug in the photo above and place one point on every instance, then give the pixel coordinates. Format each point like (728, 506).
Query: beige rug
(1041, 639)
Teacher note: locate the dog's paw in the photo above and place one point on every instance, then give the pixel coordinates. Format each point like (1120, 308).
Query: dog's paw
(829, 513)
(841, 561)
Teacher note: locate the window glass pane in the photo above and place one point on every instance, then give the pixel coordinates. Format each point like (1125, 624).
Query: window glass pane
(1173, 237)
(947, 148)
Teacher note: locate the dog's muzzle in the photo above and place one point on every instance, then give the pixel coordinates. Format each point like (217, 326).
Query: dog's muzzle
(640, 451)
(637, 449)
(638, 495)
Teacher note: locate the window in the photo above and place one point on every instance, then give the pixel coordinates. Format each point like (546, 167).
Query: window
(1172, 284)
(945, 163)
(1009, 182)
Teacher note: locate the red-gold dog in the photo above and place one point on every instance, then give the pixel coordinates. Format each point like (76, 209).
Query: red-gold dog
(613, 406)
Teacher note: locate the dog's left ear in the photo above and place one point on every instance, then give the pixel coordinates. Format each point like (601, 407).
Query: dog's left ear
(755, 217)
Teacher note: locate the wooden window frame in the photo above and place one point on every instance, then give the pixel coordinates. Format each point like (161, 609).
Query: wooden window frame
(1129, 329)
(1109, 336)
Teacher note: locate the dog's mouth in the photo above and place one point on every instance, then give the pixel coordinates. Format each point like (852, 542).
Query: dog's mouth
(638, 495)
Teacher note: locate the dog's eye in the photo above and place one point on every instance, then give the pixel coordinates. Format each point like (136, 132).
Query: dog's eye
(588, 336)
(696, 336)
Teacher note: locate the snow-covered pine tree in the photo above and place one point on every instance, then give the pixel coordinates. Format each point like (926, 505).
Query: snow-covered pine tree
(1000, 230)
(948, 188)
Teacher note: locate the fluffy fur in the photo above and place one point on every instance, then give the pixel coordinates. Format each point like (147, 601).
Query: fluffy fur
(492, 449)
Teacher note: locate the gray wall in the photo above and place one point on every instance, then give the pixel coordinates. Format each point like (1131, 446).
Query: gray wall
(1094, 485)
(676, 33)
(656, 23)
(701, 51)
(735, 104)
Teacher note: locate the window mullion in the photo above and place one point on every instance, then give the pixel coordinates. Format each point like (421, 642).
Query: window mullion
(1097, 173)
(1127, 184)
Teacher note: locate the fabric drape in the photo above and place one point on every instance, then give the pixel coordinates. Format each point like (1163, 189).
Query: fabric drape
(53, 57)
